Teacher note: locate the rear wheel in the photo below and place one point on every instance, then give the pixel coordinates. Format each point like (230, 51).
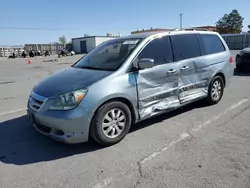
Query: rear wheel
(215, 91)
(111, 123)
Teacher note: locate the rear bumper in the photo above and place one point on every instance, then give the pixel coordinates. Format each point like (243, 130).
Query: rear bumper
(228, 72)
(243, 62)
(243, 65)
(64, 126)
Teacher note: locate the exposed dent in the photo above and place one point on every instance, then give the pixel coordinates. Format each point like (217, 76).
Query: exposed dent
(158, 93)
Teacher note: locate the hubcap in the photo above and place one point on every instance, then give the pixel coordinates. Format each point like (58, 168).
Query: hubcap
(113, 123)
(216, 90)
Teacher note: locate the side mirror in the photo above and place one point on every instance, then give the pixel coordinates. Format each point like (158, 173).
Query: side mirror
(145, 63)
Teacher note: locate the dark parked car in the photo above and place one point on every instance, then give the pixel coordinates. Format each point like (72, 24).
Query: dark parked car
(46, 53)
(243, 60)
(32, 53)
(24, 54)
(13, 56)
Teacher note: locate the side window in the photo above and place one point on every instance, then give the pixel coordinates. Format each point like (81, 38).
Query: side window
(211, 44)
(159, 49)
(185, 46)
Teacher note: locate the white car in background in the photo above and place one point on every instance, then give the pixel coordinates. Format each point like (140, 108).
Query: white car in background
(72, 53)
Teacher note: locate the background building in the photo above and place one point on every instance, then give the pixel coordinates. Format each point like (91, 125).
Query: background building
(207, 28)
(84, 45)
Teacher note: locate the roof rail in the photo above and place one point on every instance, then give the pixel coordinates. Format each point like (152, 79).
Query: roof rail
(191, 29)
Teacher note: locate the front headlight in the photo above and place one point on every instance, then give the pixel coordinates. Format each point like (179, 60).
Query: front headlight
(68, 100)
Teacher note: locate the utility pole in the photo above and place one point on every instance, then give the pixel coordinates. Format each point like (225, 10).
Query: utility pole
(181, 20)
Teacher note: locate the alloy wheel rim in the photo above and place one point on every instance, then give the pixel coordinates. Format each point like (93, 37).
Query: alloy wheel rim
(216, 90)
(113, 123)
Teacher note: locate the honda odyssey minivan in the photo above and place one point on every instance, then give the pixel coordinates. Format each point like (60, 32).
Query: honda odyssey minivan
(127, 80)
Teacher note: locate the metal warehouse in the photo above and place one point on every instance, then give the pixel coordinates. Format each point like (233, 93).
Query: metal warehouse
(84, 45)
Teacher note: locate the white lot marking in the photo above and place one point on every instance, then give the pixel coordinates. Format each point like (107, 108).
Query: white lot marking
(151, 156)
(13, 111)
(185, 134)
(239, 103)
(106, 182)
(220, 115)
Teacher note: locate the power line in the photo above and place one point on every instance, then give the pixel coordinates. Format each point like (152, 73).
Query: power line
(35, 28)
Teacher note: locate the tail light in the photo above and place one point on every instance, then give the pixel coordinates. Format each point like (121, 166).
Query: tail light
(231, 60)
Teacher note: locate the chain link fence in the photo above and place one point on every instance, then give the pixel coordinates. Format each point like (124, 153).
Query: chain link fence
(237, 41)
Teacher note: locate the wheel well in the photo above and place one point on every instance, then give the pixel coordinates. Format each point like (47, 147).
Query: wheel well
(125, 101)
(223, 77)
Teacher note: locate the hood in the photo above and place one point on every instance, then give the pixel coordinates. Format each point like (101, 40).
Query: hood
(68, 79)
(246, 50)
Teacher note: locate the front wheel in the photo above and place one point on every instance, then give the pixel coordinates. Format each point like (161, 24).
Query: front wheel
(215, 91)
(238, 68)
(111, 123)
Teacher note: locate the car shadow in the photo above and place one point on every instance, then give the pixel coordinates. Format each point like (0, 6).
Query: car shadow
(20, 144)
(165, 116)
(242, 73)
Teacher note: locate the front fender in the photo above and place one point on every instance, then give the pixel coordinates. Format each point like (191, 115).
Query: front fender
(114, 97)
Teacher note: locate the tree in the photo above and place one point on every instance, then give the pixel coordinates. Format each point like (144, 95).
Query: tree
(248, 29)
(230, 23)
(62, 40)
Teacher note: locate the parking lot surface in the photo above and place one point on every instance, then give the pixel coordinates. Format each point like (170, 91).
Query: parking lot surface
(196, 146)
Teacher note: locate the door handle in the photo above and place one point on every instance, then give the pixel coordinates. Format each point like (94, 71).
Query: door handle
(184, 68)
(171, 71)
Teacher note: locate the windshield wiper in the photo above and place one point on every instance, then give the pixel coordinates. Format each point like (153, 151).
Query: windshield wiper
(88, 67)
(94, 68)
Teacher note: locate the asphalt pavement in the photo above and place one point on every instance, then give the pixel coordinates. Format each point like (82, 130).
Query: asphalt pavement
(196, 146)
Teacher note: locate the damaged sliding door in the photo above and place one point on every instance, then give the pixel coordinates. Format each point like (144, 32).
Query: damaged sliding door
(194, 74)
(157, 86)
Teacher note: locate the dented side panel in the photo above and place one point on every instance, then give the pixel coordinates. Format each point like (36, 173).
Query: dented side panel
(194, 81)
(157, 89)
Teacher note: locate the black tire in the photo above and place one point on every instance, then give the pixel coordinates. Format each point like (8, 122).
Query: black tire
(212, 100)
(238, 68)
(96, 129)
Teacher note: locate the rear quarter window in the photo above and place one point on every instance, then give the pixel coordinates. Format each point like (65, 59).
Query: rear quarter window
(211, 44)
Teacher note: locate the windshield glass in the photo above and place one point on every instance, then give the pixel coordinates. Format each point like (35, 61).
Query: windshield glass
(109, 55)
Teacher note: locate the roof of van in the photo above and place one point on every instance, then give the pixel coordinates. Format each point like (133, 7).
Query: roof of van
(141, 35)
(147, 34)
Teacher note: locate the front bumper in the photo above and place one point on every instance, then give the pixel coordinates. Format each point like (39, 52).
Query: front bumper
(64, 126)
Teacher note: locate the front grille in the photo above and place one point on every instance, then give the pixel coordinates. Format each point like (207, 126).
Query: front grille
(43, 128)
(36, 101)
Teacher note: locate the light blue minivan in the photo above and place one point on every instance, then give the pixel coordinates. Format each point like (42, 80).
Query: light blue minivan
(127, 80)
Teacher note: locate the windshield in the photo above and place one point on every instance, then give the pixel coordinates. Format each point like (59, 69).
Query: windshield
(109, 55)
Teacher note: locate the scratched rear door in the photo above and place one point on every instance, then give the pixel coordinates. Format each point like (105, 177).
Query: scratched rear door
(158, 86)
